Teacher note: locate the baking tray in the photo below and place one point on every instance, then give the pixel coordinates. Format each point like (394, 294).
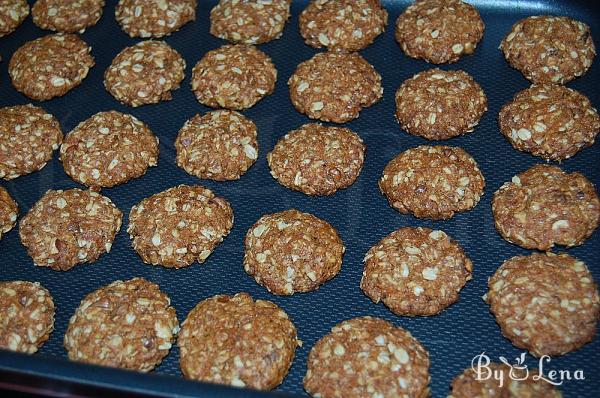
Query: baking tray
(360, 214)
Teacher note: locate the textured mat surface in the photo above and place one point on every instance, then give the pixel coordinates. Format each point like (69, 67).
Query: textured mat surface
(361, 214)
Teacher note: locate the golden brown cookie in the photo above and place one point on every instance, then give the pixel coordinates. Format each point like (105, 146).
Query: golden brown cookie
(342, 25)
(126, 324)
(66, 228)
(437, 104)
(549, 121)
(154, 18)
(145, 73)
(249, 22)
(238, 341)
(334, 87)
(292, 252)
(233, 77)
(68, 16)
(416, 271)
(545, 303)
(8, 211)
(28, 138)
(50, 66)
(544, 206)
(109, 149)
(549, 49)
(514, 383)
(179, 226)
(220, 145)
(439, 31)
(432, 182)
(27, 316)
(12, 14)
(317, 159)
(367, 357)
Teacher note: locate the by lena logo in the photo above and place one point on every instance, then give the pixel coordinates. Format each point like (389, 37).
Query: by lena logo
(519, 371)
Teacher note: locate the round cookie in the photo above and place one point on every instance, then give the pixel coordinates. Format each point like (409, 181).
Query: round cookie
(145, 73)
(549, 121)
(126, 324)
(233, 77)
(437, 104)
(249, 22)
(342, 25)
(334, 87)
(545, 206)
(367, 357)
(514, 383)
(179, 226)
(154, 18)
(12, 14)
(28, 138)
(8, 212)
(549, 49)
(416, 271)
(66, 228)
(69, 16)
(220, 145)
(50, 66)
(432, 182)
(439, 31)
(109, 149)
(545, 303)
(292, 252)
(235, 340)
(317, 159)
(27, 316)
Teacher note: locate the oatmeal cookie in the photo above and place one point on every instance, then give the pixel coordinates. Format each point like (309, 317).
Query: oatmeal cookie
(66, 228)
(109, 149)
(545, 303)
(154, 18)
(317, 159)
(8, 212)
(334, 87)
(220, 145)
(179, 226)
(68, 16)
(292, 252)
(12, 14)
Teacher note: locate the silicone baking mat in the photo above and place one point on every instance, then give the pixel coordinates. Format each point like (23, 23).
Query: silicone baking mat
(360, 214)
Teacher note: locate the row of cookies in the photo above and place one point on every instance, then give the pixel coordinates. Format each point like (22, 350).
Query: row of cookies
(239, 341)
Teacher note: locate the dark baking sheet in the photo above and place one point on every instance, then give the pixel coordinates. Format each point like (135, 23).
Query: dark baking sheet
(360, 213)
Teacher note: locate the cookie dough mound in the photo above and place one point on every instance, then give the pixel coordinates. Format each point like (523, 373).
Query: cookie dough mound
(547, 304)
(549, 121)
(317, 159)
(127, 324)
(233, 77)
(438, 104)
(145, 73)
(439, 31)
(220, 145)
(342, 25)
(154, 18)
(179, 226)
(27, 316)
(50, 66)
(291, 252)
(68, 16)
(334, 87)
(416, 271)
(549, 49)
(109, 149)
(367, 357)
(28, 138)
(249, 22)
(66, 228)
(432, 182)
(237, 341)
